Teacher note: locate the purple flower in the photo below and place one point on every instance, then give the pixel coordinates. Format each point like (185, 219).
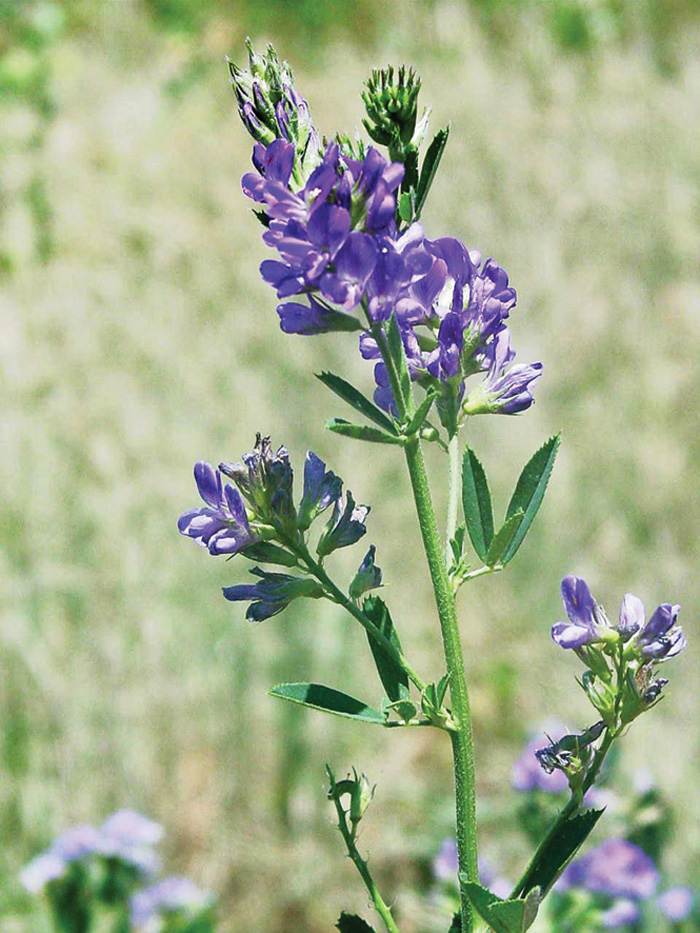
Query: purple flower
(132, 828)
(617, 868)
(586, 621)
(47, 867)
(631, 615)
(506, 390)
(222, 525)
(528, 774)
(170, 896)
(321, 489)
(368, 576)
(345, 285)
(345, 527)
(622, 913)
(313, 318)
(676, 904)
(266, 480)
(273, 594)
(270, 106)
(661, 639)
(126, 836)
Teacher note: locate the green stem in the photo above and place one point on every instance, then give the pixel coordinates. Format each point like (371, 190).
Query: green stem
(569, 810)
(337, 595)
(481, 572)
(461, 738)
(360, 864)
(453, 487)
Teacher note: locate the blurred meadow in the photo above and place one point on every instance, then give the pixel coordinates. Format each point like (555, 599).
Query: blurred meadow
(137, 337)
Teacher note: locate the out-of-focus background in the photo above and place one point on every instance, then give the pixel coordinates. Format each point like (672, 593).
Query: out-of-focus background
(137, 337)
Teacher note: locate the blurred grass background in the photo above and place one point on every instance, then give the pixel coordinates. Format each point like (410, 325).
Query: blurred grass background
(137, 337)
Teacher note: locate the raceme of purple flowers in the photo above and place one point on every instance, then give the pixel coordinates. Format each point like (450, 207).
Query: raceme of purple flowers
(339, 249)
(657, 639)
(260, 509)
(126, 836)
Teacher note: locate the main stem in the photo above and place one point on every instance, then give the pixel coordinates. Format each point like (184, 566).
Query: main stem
(462, 739)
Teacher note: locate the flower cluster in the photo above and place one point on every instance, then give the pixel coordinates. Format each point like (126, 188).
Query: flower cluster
(258, 518)
(621, 656)
(271, 108)
(89, 869)
(341, 245)
(126, 837)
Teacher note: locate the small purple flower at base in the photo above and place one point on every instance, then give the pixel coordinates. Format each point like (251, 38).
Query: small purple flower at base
(321, 489)
(222, 525)
(170, 896)
(346, 526)
(368, 576)
(617, 868)
(273, 594)
(676, 904)
(623, 913)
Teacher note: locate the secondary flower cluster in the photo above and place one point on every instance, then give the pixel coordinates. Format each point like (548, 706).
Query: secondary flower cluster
(341, 247)
(126, 837)
(172, 897)
(621, 656)
(257, 517)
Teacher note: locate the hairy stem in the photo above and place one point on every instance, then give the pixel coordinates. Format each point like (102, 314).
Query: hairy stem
(453, 495)
(360, 864)
(461, 738)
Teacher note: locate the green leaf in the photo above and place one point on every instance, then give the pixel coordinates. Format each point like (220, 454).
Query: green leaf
(503, 539)
(476, 500)
(398, 355)
(405, 207)
(362, 432)
(456, 925)
(351, 923)
(357, 400)
(410, 178)
(530, 490)
(559, 851)
(431, 163)
(393, 677)
(265, 553)
(457, 544)
(404, 709)
(328, 700)
(416, 422)
(511, 916)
